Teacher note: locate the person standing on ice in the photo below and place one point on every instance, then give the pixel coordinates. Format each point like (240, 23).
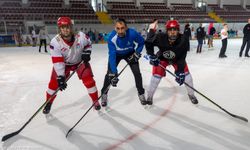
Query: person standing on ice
(121, 45)
(43, 39)
(200, 35)
(224, 35)
(246, 40)
(68, 50)
(173, 48)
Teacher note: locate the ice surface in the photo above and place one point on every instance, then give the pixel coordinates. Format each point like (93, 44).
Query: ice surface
(173, 123)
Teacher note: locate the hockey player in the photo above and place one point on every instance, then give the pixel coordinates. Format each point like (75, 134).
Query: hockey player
(121, 46)
(67, 50)
(173, 48)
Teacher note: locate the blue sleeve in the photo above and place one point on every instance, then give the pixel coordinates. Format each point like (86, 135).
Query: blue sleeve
(140, 40)
(112, 56)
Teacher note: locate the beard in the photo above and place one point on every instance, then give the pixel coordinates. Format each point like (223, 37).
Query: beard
(172, 38)
(121, 34)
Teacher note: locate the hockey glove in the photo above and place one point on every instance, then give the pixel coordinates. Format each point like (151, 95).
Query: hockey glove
(113, 78)
(86, 56)
(153, 60)
(134, 58)
(180, 77)
(61, 82)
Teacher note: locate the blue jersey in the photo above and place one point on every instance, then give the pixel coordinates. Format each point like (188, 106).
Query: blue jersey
(123, 46)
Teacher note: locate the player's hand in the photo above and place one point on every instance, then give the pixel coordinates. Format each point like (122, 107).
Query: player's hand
(113, 78)
(86, 56)
(134, 58)
(153, 60)
(180, 77)
(61, 82)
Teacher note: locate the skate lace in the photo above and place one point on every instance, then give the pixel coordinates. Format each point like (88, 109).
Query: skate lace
(104, 98)
(142, 97)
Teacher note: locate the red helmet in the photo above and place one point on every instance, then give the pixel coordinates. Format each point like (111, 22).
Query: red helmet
(64, 21)
(172, 24)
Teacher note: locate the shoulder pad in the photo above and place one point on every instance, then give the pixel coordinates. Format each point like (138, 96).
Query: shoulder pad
(58, 38)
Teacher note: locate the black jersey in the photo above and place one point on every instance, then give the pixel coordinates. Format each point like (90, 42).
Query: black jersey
(246, 31)
(174, 53)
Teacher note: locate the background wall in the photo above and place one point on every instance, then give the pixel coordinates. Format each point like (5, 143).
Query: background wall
(181, 1)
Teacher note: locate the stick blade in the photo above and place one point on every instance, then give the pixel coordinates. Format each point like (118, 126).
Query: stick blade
(69, 132)
(242, 118)
(239, 117)
(6, 137)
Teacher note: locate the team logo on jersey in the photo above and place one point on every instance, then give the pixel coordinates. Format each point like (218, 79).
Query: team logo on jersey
(51, 47)
(169, 54)
(128, 43)
(78, 45)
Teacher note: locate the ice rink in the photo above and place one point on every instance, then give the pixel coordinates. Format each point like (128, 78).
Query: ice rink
(172, 123)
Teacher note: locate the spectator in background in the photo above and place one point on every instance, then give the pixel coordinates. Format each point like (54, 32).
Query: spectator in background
(33, 36)
(246, 39)
(27, 40)
(224, 35)
(85, 31)
(187, 33)
(18, 38)
(91, 35)
(193, 33)
(96, 36)
(211, 31)
(42, 36)
(200, 34)
(205, 34)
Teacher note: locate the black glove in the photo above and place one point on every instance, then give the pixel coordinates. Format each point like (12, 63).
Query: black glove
(180, 77)
(153, 60)
(61, 82)
(113, 78)
(86, 56)
(134, 58)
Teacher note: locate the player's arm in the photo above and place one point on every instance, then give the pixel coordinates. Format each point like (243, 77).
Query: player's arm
(151, 41)
(57, 59)
(87, 49)
(112, 56)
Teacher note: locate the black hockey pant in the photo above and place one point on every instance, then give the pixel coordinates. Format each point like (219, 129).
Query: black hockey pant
(136, 72)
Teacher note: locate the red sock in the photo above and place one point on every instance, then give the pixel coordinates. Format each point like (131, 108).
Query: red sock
(94, 96)
(48, 96)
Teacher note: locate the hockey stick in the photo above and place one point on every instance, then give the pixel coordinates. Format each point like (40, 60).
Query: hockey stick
(233, 115)
(94, 103)
(6, 137)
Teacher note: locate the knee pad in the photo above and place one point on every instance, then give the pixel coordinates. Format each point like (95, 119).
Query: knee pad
(84, 71)
(88, 81)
